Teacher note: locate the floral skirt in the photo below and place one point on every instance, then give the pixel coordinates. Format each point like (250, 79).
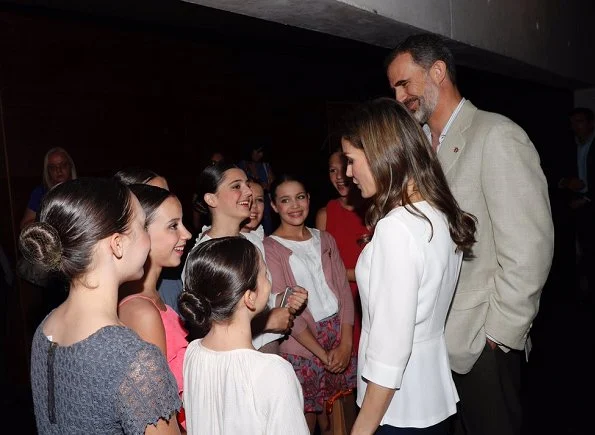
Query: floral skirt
(318, 384)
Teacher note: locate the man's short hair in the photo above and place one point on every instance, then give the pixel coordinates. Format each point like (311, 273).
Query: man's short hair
(425, 49)
(582, 111)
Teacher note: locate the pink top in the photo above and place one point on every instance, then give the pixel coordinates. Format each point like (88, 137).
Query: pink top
(335, 275)
(175, 338)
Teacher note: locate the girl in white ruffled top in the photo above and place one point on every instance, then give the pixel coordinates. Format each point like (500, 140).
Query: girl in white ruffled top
(229, 387)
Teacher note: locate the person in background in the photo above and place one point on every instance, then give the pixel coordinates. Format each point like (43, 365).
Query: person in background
(252, 226)
(140, 175)
(257, 168)
(343, 219)
(407, 274)
(89, 373)
(579, 185)
(494, 172)
(58, 167)
(229, 387)
(320, 344)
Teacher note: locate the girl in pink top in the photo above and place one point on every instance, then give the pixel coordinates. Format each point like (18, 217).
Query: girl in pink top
(142, 308)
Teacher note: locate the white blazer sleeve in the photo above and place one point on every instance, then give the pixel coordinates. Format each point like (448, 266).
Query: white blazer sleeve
(396, 268)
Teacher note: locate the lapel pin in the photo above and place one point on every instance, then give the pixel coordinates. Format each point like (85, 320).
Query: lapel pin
(456, 149)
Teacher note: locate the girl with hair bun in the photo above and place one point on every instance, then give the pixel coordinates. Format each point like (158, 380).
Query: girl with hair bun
(229, 387)
(89, 373)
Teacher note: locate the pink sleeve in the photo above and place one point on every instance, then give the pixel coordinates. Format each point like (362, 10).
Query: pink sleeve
(281, 277)
(347, 310)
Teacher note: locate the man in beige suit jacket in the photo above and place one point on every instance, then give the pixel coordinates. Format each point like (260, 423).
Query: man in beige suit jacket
(494, 173)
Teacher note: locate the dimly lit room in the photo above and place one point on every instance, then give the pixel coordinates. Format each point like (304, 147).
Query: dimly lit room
(181, 89)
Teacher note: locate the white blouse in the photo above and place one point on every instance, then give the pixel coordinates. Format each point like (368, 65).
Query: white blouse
(406, 283)
(241, 392)
(306, 264)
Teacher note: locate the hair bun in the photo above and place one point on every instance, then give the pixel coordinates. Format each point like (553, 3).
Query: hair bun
(196, 308)
(40, 244)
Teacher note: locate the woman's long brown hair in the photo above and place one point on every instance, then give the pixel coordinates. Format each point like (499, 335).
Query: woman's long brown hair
(398, 153)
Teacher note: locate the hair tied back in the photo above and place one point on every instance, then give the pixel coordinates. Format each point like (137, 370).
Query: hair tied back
(40, 244)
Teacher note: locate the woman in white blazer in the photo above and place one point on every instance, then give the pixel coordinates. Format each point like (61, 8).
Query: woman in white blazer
(406, 275)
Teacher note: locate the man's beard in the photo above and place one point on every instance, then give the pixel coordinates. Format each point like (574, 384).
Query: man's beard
(427, 103)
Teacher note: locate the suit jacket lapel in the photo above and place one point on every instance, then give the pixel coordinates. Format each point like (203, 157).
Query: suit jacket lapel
(454, 143)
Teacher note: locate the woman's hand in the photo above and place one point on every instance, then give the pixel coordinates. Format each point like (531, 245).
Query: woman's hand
(339, 358)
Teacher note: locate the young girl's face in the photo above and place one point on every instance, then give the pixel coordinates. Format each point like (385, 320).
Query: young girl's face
(336, 171)
(292, 202)
(257, 209)
(168, 234)
(233, 197)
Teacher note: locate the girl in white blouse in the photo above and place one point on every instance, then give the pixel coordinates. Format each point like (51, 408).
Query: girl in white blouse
(406, 275)
(229, 387)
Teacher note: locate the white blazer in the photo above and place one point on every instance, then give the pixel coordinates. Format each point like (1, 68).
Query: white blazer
(406, 282)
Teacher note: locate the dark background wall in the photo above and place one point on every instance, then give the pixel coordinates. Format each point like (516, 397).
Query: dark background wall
(119, 92)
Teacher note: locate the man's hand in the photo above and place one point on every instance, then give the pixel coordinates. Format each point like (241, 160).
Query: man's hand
(493, 345)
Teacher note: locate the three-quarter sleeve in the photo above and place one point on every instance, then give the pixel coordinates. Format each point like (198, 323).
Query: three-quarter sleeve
(396, 267)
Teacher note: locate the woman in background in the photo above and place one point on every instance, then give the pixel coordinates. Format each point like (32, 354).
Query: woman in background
(58, 167)
(406, 275)
(89, 373)
(230, 388)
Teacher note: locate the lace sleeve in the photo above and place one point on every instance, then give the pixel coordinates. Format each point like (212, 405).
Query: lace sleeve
(148, 392)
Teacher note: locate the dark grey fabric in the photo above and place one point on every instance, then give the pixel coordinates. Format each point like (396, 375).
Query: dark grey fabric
(110, 383)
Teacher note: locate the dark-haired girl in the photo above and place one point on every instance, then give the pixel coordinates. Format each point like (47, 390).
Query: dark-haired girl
(319, 347)
(229, 387)
(406, 275)
(142, 309)
(89, 373)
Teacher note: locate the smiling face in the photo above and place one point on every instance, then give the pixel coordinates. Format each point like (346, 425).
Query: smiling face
(413, 87)
(359, 169)
(168, 234)
(233, 197)
(337, 166)
(257, 209)
(292, 202)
